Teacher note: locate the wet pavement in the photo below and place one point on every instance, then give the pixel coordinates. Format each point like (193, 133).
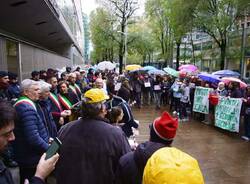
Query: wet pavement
(224, 157)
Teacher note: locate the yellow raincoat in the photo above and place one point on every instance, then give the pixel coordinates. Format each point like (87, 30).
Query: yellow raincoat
(172, 166)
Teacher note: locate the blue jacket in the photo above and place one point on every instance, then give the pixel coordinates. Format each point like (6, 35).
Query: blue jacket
(31, 136)
(44, 111)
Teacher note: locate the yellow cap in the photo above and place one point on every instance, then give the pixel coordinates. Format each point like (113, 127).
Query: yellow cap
(95, 95)
(172, 166)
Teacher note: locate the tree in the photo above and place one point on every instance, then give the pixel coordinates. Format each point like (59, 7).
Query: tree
(217, 18)
(159, 23)
(181, 21)
(144, 44)
(123, 11)
(101, 31)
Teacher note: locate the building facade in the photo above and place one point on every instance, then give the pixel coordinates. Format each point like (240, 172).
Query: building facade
(86, 41)
(41, 34)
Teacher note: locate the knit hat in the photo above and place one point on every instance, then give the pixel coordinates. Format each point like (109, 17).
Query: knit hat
(165, 126)
(3, 74)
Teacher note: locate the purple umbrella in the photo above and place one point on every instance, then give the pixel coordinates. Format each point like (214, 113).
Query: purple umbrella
(209, 77)
(226, 73)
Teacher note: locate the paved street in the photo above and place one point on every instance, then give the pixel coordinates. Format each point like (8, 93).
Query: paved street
(224, 158)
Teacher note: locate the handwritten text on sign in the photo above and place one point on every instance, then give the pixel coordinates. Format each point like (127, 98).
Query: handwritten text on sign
(227, 114)
(201, 103)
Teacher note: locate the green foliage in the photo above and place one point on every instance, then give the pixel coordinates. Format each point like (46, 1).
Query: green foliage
(101, 27)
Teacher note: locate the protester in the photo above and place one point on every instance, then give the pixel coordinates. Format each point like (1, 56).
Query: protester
(32, 138)
(115, 115)
(6, 95)
(90, 148)
(99, 83)
(146, 90)
(131, 165)
(221, 90)
(246, 113)
(4, 84)
(56, 108)
(14, 88)
(35, 75)
(234, 90)
(136, 84)
(44, 110)
(157, 91)
(66, 97)
(125, 91)
(185, 99)
(176, 88)
(172, 166)
(44, 167)
(128, 118)
(73, 87)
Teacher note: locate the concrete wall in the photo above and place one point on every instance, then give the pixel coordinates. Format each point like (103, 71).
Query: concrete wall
(36, 59)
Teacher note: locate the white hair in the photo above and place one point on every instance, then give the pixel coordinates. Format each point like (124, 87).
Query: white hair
(27, 84)
(44, 86)
(72, 75)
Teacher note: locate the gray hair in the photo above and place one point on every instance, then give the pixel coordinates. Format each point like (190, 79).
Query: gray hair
(44, 86)
(27, 83)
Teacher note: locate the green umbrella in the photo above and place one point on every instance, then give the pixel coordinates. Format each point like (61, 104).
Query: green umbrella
(171, 71)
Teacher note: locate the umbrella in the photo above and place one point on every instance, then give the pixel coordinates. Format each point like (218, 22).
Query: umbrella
(227, 80)
(226, 73)
(209, 77)
(148, 68)
(105, 65)
(132, 67)
(171, 71)
(188, 68)
(156, 72)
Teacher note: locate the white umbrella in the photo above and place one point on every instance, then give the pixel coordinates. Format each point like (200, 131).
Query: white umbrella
(106, 65)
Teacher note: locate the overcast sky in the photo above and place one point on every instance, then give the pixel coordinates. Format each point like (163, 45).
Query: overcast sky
(89, 5)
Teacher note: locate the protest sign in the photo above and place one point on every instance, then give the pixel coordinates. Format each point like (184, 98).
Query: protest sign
(201, 103)
(227, 113)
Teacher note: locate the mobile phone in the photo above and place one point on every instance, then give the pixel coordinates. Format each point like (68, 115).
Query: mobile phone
(54, 147)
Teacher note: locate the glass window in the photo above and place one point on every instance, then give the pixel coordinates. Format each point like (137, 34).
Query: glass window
(12, 56)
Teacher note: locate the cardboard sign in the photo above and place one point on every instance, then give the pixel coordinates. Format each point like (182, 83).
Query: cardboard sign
(157, 87)
(201, 102)
(227, 113)
(147, 84)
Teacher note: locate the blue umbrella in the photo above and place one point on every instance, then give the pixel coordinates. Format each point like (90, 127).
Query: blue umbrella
(209, 77)
(226, 73)
(157, 72)
(148, 68)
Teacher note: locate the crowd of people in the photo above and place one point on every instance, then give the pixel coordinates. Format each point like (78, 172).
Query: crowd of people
(90, 112)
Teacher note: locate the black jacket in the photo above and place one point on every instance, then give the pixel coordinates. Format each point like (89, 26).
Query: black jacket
(90, 152)
(128, 118)
(6, 177)
(131, 166)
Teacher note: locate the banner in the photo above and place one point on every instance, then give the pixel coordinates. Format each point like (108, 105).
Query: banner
(227, 113)
(201, 102)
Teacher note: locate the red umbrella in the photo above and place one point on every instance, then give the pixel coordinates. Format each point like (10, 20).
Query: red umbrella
(227, 80)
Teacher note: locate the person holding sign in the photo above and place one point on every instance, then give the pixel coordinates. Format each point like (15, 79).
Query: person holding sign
(146, 89)
(158, 91)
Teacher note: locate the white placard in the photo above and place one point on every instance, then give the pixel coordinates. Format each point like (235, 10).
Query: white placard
(157, 87)
(118, 86)
(147, 84)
